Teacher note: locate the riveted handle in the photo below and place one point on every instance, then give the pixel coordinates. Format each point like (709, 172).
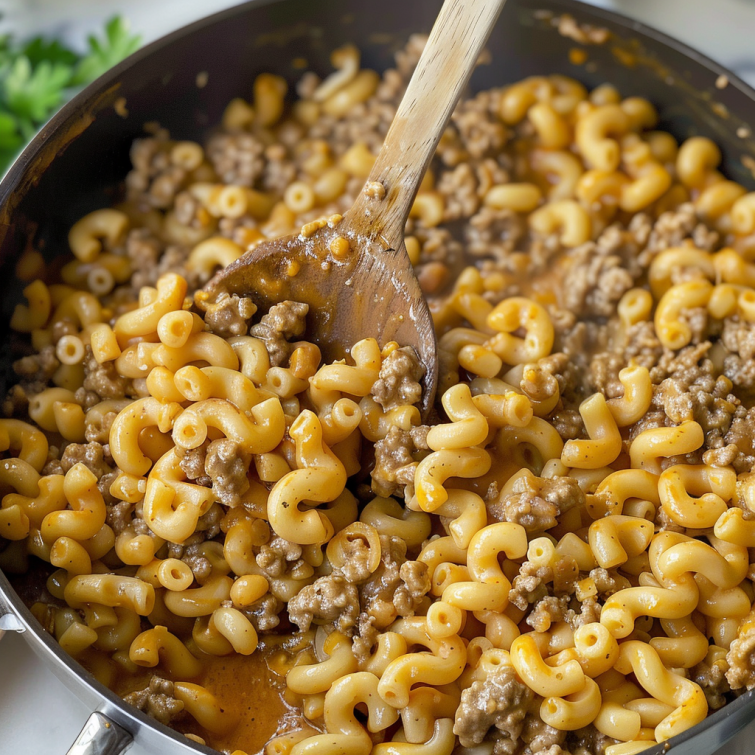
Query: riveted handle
(101, 736)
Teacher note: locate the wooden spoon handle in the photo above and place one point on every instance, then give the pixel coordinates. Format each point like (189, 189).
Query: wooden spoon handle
(446, 64)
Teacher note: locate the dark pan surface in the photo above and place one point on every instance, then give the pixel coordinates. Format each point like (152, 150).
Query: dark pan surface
(80, 157)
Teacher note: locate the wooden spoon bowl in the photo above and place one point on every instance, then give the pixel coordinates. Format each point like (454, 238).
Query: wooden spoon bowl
(369, 290)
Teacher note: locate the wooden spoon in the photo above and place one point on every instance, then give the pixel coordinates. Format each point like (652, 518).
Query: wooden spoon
(354, 271)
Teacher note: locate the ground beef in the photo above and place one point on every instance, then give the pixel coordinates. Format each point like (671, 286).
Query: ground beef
(721, 456)
(539, 737)
(366, 638)
(642, 345)
(284, 321)
(119, 516)
(38, 368)
(275, 556)
(589, 613)
(740, 371)
(356, 560)
(279, 171)
(174, 260)
(331, 601)
(698, 322)
(396, 587)
(588, 741)
(552, 750)
(548, 610)
(200, 565)
(607, 582)
(154, 180)
(577, 340)
(179, 550)
(416, 579)
(86, 399)
(105, 483)
(672, 363)
(670, 230)
(738, 336)
(570, 380)
(741, 657)
(209, 523)
(104, 380)
(188, 210)
(529, 585)
(237, 158)
(479, 126)
(438, 245)
(495, 234)
(568, 424)
(398, 382)
(143, 248)
(227, 465)
(193, 464)
(156, 700)
(706, 238)
(94, 456)
(242, 231)
(536, 502)
(501, 701)
(595, 281)
(394, 459)
(459, 190)
(229, 315)
(97, 427)
(696, 394)
(604, 373)
(264, 614)
(741, 435)
(712, 680)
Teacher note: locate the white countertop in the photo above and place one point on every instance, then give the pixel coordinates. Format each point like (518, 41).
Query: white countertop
(38, 715)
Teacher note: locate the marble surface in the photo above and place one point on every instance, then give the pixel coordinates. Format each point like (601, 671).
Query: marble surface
(38, 715)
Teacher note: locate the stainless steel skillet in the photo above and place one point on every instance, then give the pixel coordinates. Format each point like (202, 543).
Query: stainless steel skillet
(184, 81)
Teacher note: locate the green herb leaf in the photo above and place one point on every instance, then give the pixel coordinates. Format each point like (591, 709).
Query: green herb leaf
(10, 139)
(34, 92)
(105, 53)
(40, 49)
(37, 76)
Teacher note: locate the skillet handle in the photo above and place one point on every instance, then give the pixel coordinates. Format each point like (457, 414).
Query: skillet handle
(101, 736)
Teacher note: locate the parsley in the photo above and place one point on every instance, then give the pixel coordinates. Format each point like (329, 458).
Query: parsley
(37, 76)
(103, 55)
(33, 93)
(40, 49)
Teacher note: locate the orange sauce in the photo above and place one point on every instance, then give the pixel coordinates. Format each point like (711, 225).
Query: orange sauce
(244, 686)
